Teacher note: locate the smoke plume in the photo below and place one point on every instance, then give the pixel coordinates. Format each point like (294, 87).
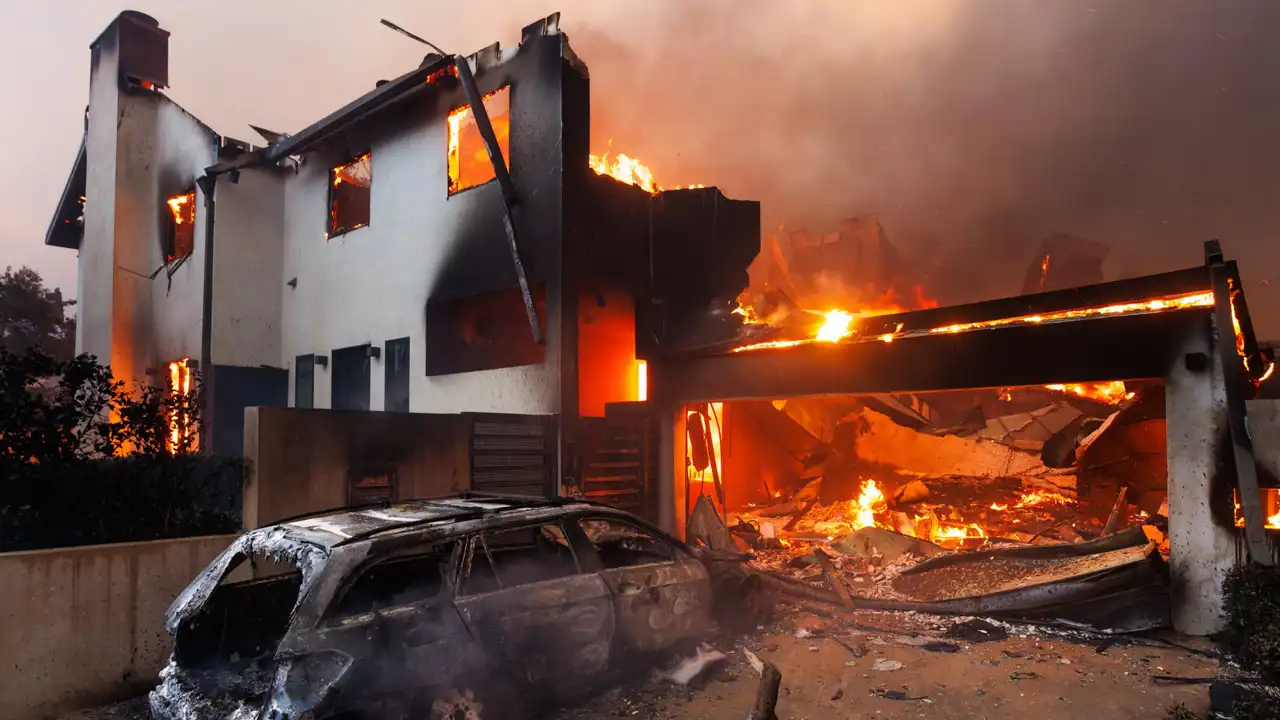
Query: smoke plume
(974, 129)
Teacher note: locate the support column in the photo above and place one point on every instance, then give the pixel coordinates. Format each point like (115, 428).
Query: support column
(1202, 550)
(671, 478)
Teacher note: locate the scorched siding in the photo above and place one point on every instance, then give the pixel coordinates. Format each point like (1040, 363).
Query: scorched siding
(371, 284)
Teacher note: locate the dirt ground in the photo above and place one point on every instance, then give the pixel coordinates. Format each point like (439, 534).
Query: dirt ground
(845, 667)
(1029, 674)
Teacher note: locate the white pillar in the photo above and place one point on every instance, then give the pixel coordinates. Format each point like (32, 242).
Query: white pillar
(1201, 549)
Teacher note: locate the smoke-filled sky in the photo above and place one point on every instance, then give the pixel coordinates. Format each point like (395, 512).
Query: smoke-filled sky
(973, 127)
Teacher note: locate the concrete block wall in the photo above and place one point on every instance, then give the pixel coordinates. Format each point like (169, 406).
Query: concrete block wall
(81, 626)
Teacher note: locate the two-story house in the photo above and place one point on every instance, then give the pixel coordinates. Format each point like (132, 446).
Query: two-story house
(365, 262)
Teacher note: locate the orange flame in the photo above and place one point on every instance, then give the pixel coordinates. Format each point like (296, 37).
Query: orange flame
(1178, 302)
(176, 206)
(631, 171)
(836, 327)
(1111, 393)
(181, 428)
(1272, 523)
(1043, 497)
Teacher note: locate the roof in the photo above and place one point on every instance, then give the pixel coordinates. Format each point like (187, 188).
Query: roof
(65, 228)
(334, 527)
(435, 71)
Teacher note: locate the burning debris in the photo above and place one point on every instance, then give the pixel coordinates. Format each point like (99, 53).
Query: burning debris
(875, 510)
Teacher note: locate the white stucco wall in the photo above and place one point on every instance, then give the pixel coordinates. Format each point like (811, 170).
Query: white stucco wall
(247, 283)
(372, 284)
(161, 151)
(96, 259)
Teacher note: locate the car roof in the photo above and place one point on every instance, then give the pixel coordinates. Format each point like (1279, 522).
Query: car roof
(330, 528)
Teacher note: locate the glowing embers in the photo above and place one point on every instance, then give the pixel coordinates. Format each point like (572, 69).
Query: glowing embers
(469, 163)
(832, 329)
(182, 437)
(180, 238)
(642, 381)
(349, 193)
(1179, 302)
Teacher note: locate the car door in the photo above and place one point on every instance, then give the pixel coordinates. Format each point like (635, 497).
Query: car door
(396, 619)
(662, 594)
(527, 601)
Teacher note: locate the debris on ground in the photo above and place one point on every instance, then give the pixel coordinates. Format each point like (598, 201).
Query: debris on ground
(686, 670)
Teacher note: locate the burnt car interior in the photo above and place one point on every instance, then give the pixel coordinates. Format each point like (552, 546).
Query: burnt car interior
(621, 545)
(244, 620)
(508, 558)
(396, 581)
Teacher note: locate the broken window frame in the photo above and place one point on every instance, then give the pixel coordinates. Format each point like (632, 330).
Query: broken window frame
(454, 137)
(674, 553)
(336, 225)
(446, 553)
(180, 228)
(477, 544)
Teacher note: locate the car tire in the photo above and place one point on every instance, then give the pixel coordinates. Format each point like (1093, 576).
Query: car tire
(472, 702)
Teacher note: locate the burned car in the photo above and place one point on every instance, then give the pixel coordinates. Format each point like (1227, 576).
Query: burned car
(465, 606)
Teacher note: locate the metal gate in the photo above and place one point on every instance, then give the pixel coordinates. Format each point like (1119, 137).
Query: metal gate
(617, 463)
(513, 454)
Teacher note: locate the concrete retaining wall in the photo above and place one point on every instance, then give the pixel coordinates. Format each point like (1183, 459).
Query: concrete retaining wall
(85, 625)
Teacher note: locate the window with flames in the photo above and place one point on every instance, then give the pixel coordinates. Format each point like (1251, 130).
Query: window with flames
(180, 238)
(350, 189)
(182, 436)
(469, 163)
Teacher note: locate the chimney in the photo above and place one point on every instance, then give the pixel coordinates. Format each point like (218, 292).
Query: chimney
(141, 49)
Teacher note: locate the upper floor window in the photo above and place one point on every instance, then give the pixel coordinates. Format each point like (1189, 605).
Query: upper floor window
(349, 195)
(469, 163)
(180, 236)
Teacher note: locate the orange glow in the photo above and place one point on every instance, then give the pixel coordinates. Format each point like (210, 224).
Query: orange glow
(999, 507)
(642, 380)
(1272, 523)
(1044, 271)
(715, 413)
(469, 163)
(1043, 497)
(1112, 392)
(1204, 299)
(182, 233)
(836, 327)
(1178, 302)
(182, 431)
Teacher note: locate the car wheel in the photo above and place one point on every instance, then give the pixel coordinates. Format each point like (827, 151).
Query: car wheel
(470, 703)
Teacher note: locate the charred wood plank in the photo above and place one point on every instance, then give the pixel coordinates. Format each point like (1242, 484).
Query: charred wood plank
(766, 707)
(1234, 378)
(833, 577)
(1114, 517)
(803, 511)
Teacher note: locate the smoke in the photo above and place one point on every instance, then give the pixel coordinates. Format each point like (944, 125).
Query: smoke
(974, 130)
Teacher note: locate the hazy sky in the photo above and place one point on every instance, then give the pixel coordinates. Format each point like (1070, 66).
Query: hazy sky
(974, 127)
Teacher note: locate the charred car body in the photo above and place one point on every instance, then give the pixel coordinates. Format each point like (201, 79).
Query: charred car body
(421, 608)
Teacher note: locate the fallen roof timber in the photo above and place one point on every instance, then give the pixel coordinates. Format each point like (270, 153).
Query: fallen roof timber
(1098, 349)
(1132, 290)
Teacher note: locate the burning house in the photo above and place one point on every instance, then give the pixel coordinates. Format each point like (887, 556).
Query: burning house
(445, 243)
(448, 243)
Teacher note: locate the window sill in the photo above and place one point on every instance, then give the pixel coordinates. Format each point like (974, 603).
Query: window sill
(347, 231)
